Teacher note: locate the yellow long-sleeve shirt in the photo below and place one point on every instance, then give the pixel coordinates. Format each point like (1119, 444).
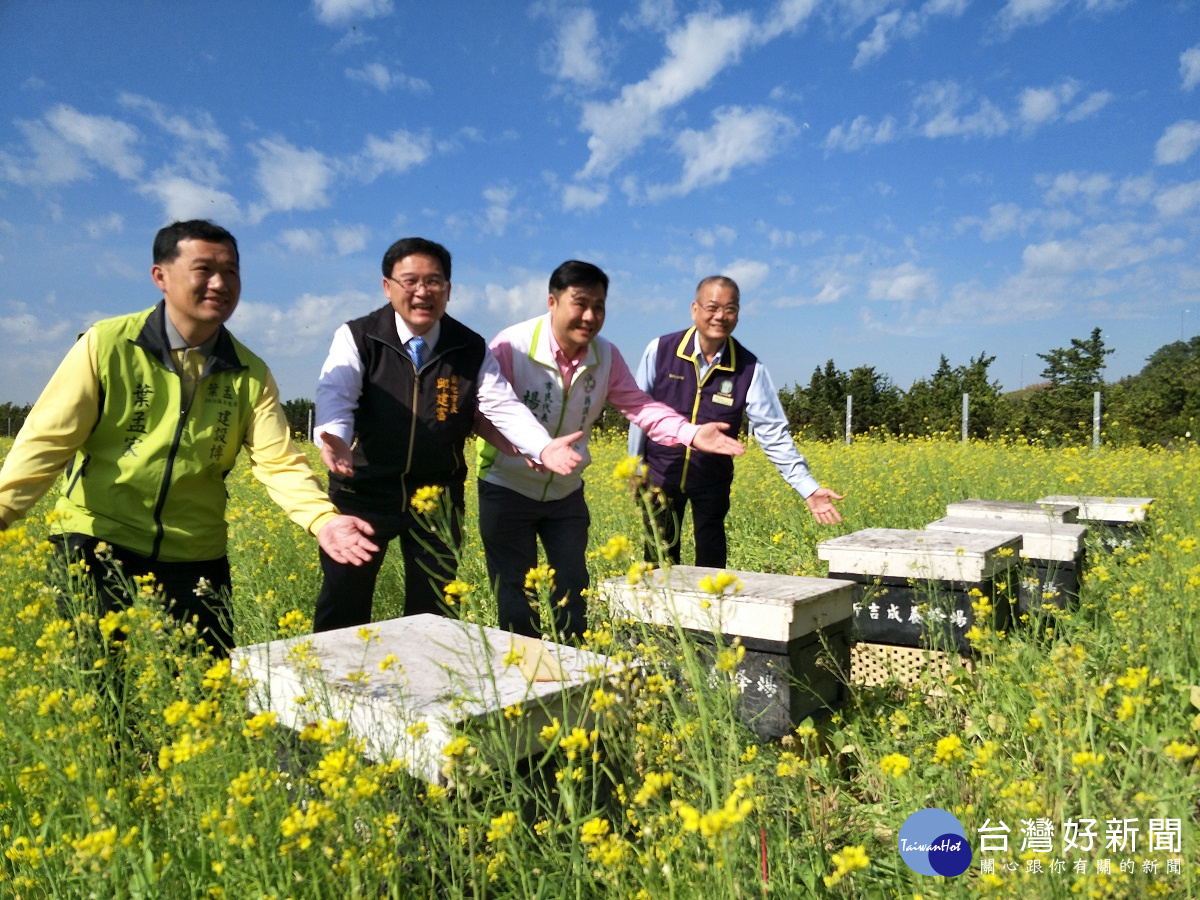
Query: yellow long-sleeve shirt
(69, 408)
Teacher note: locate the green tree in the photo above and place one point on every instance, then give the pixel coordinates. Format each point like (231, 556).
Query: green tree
(297, 412)
(1061, 412)
(12, 417)
(1161, 404)
(878, 403)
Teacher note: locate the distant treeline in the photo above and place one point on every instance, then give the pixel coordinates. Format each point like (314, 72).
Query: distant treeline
(1159, 405)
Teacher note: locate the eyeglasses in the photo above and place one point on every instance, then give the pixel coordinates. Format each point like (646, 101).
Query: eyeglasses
(434, 284)
(730, 311)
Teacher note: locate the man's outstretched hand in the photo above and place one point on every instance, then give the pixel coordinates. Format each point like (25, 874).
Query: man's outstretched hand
(711, 438)
(820, 504)
(336, 455)
(347, 539)
(559, 456)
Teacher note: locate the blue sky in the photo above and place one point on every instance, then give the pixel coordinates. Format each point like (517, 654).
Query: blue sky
(888, 181)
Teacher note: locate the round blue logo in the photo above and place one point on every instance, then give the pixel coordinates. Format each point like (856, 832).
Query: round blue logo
(933, 842)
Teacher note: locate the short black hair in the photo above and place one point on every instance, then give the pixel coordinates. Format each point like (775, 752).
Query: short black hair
(166, 242)
(720, 281)
(412, 245)
(574, 273)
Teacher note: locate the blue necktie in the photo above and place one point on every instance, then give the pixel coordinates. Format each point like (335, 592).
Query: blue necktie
(416, 350)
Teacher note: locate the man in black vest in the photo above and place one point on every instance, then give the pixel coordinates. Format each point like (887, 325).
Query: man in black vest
(705, 374)
(401, 390)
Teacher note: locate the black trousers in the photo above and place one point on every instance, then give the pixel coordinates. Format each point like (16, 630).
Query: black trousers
(510, 525)
(198, 591)
(710, 506)
(430, 563)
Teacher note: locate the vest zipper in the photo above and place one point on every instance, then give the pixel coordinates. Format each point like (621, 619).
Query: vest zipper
(159, 531)
(412, 425)
(687, 451)
(562, 414)
(77, 476)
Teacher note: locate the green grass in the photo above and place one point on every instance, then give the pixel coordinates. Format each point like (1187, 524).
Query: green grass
(132, 767)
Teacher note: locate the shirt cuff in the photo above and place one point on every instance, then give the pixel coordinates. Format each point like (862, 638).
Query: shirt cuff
(321, 521)
(337, 429)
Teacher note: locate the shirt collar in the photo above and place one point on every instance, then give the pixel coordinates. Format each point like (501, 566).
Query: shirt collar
(698, 353)
(176, 341)
(431, 336)
(561, 357)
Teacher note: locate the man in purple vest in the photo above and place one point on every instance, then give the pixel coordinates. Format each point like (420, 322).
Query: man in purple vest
(705, 374)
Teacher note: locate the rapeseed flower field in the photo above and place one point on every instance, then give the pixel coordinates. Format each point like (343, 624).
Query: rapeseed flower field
(134, 767)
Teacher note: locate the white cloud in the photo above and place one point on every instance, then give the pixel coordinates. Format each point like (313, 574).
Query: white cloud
(782, 237)
(940, 104)
(348, 239)
(739, 137)
(1105, 248)
(182, 198)
(1021, 13)
(581, 197)
(66, 143)
(303, 326)
(21, 326)
(106, 141)
(306, 242)
(710, 237)
(312, 242)
(577, 53)
(905, 283)
(398, 153)
(383, 79)
(1178, 200)
(54, 161)
(1002, 220)
(1136, 191)
(201, 130)
(859, 134)
(1189, 67)
(786, 16)
(748, 273)
(652, 15)
(1070, 185)
(113, 223)
(291, 178)
(1178, 143)
(497, 214)
(1089, 106)
(518, 302)
(834, 287)
(112, 266)
(875, 45)
(1041, 105)
(944, 7)
(897, 25)
(339, 12)
(697, 51)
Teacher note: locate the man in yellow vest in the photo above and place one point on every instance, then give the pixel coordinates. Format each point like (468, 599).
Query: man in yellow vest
(148, 412)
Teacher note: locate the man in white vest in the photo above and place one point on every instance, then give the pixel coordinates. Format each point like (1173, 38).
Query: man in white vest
(564, 372)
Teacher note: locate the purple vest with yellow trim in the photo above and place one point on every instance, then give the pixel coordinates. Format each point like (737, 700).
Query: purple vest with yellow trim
(721, 398)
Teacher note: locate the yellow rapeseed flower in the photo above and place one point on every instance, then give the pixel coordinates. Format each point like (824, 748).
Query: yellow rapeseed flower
(502, 827)
(539, 577)
(949, 749)
(848, 860)
(895, 764)
(425, 499)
